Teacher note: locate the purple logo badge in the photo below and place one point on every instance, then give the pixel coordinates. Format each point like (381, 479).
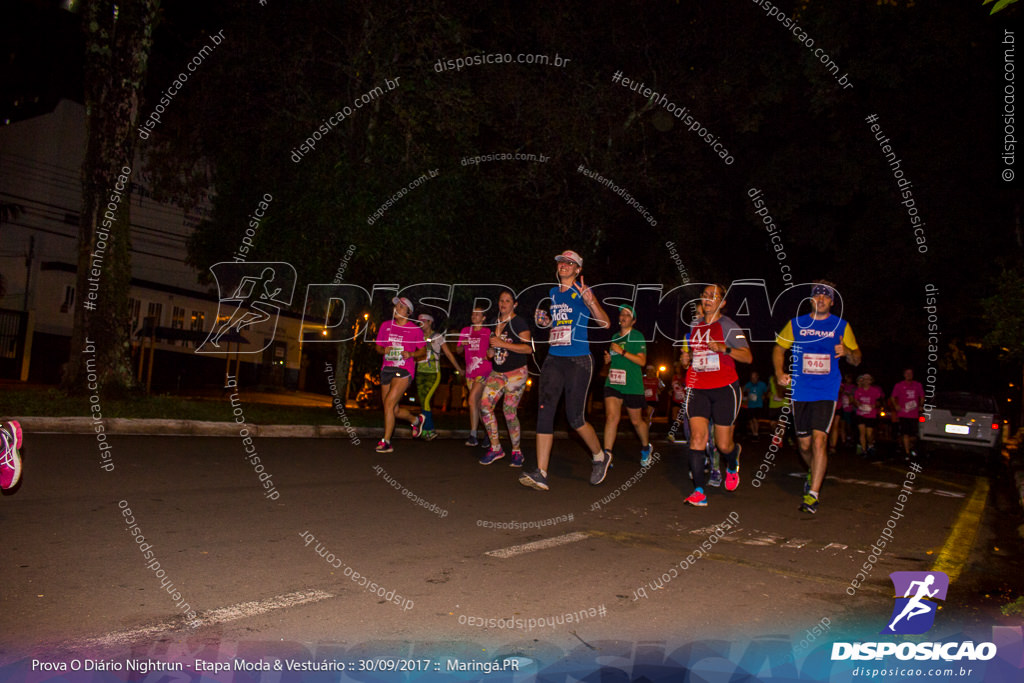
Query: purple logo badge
(914, 611)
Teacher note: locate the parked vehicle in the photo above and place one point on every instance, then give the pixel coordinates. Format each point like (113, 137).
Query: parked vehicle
(962, 420)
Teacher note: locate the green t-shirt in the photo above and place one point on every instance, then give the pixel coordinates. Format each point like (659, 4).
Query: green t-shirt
(624, 375)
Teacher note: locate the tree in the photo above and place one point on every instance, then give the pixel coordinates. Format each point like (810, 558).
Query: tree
(1000, 4)
(1004, 312)
(118, 38)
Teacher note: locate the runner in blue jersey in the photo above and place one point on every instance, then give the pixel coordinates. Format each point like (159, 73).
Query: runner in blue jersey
(817, 341)
(567, 369)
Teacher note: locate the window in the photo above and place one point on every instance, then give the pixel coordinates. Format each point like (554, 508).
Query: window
(178, 323)
(134, 309)
(69, 299)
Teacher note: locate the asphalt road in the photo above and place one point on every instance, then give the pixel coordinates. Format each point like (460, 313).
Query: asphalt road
(621, 558)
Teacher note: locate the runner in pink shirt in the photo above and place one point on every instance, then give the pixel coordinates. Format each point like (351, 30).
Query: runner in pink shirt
(475, 339)
(400, 341)
(868, 398)
(908, 398)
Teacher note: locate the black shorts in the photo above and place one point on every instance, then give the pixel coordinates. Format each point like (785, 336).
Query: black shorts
(635, 401)
(908, 426)
(389, 373)
(569, 375)
(719, 405)
(813, 416)
(869, 422)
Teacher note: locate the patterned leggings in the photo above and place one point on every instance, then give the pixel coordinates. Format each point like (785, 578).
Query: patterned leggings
(512, 384)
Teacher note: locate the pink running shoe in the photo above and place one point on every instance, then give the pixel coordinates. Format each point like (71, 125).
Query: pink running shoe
(417, 426)
(10, 460)
(697, 499)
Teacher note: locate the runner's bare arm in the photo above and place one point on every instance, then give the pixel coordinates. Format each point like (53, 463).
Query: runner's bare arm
(779, 361)
(596, 310)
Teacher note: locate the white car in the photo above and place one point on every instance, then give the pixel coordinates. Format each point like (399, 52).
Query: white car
(961, 419)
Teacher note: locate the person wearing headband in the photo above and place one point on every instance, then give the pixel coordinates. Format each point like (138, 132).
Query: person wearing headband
(428, 371)
(710, 352)
(567, 369)
(816, 341)
(400, 341)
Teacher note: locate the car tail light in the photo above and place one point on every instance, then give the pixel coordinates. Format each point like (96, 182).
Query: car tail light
(995, 426)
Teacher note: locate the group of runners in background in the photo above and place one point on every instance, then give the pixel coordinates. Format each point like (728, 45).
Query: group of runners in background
(709, 396)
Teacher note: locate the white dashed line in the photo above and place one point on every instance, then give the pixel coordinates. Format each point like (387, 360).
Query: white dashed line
(514, 550)
(212, 617)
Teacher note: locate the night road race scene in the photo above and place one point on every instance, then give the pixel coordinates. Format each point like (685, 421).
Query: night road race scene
(511, 341)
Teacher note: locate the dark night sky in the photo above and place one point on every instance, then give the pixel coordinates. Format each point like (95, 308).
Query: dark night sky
(932, 73)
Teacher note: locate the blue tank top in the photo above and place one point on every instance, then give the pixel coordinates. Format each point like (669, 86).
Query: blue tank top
(568, 323)
(815, 368)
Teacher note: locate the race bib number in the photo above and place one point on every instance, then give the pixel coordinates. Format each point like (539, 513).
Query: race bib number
(706, 361)
(910, 406)
(561, 336)
(817, 364)
(752, 398)
(393, 354)
(617, 377)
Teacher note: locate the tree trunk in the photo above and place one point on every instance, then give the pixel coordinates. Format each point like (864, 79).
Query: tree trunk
(117, 45)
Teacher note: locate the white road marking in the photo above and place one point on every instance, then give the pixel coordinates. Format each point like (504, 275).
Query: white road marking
(514, 550)
(836, 546)
(885, 485)
(765, 538)
(211, 617)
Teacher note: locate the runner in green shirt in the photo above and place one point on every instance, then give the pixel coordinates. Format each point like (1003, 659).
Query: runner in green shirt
(625, 384)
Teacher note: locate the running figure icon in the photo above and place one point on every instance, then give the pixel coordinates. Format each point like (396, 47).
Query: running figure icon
(258, 293)
(916, 605)
(915, 596)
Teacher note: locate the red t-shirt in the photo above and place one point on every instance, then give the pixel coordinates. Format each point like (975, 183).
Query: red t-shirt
(709, 369)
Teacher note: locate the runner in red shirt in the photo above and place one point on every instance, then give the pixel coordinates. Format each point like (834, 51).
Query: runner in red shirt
(710, 352)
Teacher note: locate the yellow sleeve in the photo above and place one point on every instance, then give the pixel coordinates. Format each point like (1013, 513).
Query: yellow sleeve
(785, 338)
(848, 339)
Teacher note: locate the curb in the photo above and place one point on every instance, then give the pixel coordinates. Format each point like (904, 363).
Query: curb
(158, 427)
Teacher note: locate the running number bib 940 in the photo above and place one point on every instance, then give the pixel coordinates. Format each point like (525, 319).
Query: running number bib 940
(394, 353)
(817, 364)
(706, 361)
(561, 336)
(617, 377)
